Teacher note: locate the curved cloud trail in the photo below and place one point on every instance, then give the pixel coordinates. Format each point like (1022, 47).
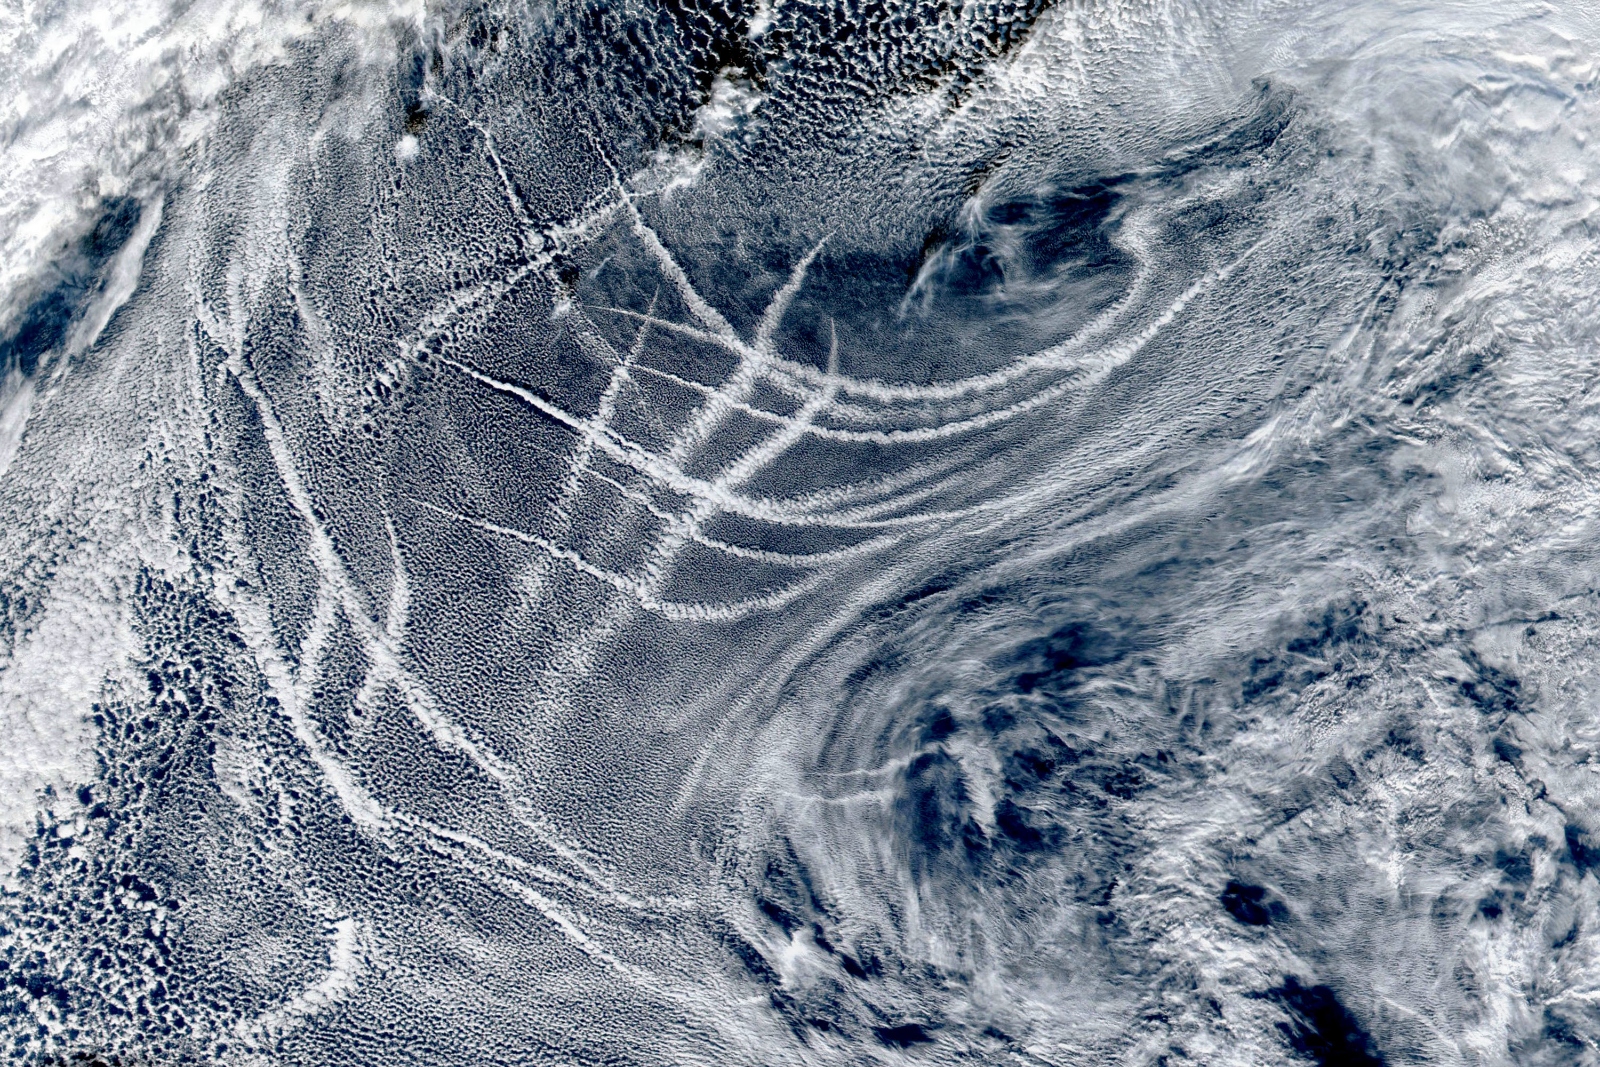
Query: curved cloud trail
(795, 533)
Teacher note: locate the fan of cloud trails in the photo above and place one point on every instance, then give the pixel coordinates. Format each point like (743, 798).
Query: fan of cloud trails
(1078, 558)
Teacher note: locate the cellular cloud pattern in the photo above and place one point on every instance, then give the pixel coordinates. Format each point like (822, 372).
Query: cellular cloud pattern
(643, 532)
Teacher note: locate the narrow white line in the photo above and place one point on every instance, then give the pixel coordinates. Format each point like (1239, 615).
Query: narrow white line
(377, 645)
(708, 315)
(642, 592)
(778, 306)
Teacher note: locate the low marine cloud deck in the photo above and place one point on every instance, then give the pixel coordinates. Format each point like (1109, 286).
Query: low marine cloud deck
(800, 533)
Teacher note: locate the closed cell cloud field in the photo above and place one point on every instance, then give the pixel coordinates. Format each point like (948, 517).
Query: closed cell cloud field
(1044, 533)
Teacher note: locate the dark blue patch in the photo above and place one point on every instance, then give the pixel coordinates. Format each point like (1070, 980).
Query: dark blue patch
(1320, 650)
(1123, 782)
(1249, 904)
(1505, 750)
(1493, 690)
(1062, 241)
(903, 1036)
(1022, 239)
(43, 325)
(41, 986)
(932, 589)
(1402, 738)
(413, 76)
(940, 724)
(997, 718)
(1321, 1028)
(1516, 866)
(787, 894)
(866, 967)
(1030, 765)
(933, 810)
(1052, 661)
(755, 964)
(1343, 775)
(980, 603)
(883, 663)
(119, 217)
(1584, 855)
(1010, 278)
(1559, 1031)
(1014, 822)
(779, 914)
(1266, 674)
(1340, 625)
(863, 969)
